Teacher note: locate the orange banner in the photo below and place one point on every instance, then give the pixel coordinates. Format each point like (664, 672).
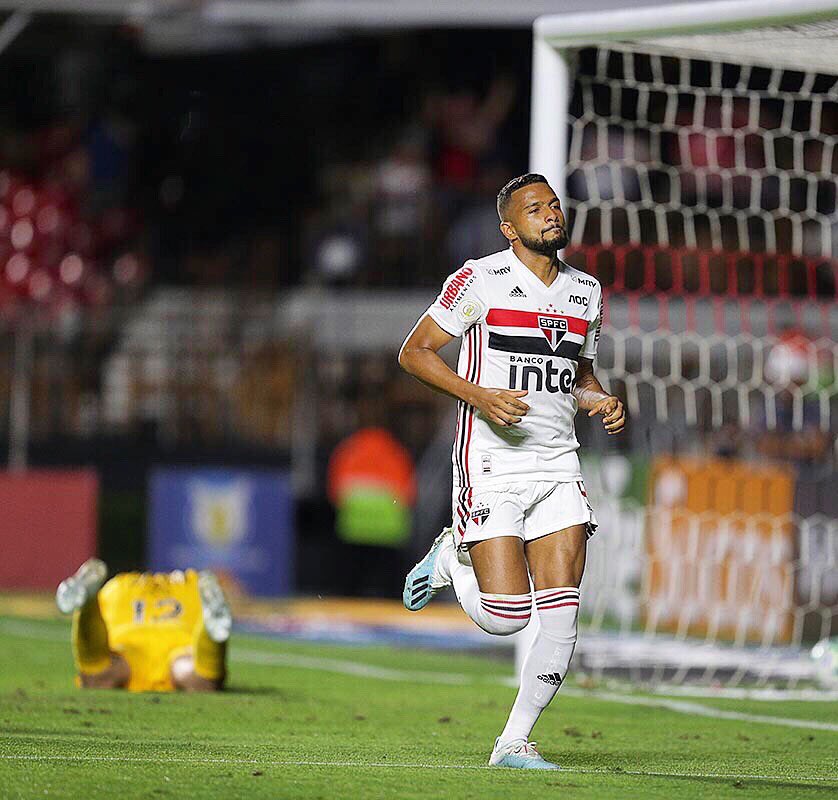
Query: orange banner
(720, 547)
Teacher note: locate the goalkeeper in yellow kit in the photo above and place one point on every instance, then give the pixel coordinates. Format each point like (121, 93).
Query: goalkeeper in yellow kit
(147, 632)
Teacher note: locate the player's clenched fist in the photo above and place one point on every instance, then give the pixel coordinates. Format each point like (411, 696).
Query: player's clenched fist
(613, 414)
(501, 406)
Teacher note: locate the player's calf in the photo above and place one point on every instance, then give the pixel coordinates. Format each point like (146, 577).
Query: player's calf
(547, 661)
(97, 666)
(203, 667)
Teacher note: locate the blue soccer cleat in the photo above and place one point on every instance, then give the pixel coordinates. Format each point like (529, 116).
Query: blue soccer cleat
(518, 754)
(431, 574)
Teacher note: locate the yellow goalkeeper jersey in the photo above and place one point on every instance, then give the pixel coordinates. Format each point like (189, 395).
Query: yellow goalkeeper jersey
(151, 619)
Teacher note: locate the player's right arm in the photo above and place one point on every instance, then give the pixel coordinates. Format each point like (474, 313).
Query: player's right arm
(419, 357)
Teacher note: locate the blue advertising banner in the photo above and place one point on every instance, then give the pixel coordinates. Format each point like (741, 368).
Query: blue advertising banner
(239, 522)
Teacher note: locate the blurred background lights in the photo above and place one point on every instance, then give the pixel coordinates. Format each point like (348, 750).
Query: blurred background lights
(71, 269)
(22, 234)
(17, 268)
(48, 219)
(40, 285)
(23, 202)
(126, 269)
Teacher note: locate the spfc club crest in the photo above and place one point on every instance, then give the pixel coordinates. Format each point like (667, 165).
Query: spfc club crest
(480, 515)
(554, 329)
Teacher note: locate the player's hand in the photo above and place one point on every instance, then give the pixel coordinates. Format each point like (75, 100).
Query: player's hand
(501, 406)
(613, 414)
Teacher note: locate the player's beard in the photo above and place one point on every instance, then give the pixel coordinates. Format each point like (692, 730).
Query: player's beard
(545, 247)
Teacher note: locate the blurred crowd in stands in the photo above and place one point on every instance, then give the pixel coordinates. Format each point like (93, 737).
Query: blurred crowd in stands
(122, 173)
(68, 234)
(425, 205)
(255, 169)
(369, 162)
(157, 210)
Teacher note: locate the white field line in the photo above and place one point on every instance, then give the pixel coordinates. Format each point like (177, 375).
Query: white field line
(734, 693)
(698, 710)
(721, 692)
(399, 765)
(358, 669)
(678, 706)
(28, 630)
(349, 668)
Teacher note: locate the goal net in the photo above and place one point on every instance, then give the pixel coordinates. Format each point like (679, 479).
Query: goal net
(698, 172)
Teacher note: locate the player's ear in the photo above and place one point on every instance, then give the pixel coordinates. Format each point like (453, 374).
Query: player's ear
(508, 230)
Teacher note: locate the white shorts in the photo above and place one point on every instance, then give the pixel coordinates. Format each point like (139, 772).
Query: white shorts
(528, 510)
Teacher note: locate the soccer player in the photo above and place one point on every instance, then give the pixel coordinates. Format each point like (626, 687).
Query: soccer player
(530, 326)
(146, 632)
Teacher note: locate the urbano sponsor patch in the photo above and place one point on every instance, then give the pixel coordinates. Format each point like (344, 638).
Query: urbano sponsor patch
(456, 288)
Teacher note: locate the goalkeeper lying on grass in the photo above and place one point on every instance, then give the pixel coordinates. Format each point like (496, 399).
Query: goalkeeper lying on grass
(146, 632)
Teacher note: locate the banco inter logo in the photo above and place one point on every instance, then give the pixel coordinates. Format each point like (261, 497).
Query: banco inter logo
(538, 374)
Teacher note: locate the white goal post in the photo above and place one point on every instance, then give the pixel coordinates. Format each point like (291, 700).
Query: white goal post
(782, 38)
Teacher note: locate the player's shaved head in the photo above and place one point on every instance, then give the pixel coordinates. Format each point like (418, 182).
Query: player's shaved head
(505, 194)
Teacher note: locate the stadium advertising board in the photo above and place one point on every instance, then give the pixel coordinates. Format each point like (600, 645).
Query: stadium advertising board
(48, 525)
(238, 523)
(720, 547)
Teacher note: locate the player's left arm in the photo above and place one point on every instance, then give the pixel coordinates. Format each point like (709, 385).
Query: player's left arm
(589, 394)
(592, 398)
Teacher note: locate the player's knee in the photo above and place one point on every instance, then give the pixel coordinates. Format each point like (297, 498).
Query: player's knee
(116, 676)
(505, 614)
(508, 627)
(185, 678)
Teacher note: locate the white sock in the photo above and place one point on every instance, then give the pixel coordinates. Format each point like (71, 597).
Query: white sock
(501, 614)
(546, 663)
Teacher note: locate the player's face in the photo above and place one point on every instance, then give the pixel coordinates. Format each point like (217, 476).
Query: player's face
(536, 219)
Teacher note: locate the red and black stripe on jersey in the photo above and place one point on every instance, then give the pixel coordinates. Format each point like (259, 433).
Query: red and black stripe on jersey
(533, 346)
(535, 343)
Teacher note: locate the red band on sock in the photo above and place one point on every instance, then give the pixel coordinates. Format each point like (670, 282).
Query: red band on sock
(559, 605)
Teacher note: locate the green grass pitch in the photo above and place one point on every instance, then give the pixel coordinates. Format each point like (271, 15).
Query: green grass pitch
(306, 721)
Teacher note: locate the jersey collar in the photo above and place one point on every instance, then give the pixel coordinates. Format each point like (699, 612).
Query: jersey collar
(527, 274)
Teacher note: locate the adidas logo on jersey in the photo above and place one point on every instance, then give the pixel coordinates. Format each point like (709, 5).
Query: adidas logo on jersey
(517, 292)
(553, 678)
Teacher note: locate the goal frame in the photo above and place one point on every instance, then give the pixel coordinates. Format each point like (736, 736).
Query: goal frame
(556, 36)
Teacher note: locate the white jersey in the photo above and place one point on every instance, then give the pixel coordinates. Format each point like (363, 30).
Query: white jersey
(518, 333)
